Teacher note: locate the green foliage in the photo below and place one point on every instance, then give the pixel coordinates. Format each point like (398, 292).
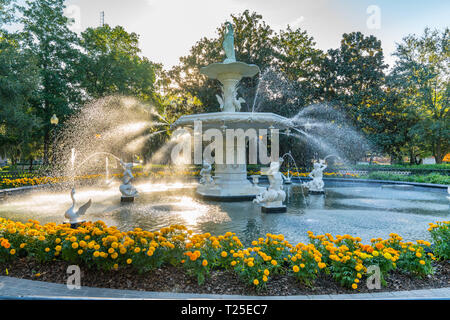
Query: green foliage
(111, 64)
(18, 85)
(420, 78)
(435, 178)
(440, 233)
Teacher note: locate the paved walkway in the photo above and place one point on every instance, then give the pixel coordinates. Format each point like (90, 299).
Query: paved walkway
(13, 288)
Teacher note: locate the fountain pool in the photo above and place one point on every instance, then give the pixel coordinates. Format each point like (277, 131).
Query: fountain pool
(360, 209)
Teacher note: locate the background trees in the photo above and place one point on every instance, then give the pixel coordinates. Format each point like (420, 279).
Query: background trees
(110, 64)
(421, 75)
(47, 69)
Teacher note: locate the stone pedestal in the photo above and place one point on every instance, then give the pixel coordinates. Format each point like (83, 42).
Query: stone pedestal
(126, 199)
(74, 225)
(316, 192)
(230, 183)
(276, 209)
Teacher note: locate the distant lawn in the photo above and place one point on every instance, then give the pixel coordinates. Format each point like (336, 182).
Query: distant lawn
(426, 178)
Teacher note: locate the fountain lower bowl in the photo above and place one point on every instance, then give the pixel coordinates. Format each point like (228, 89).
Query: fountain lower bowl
(235, 120)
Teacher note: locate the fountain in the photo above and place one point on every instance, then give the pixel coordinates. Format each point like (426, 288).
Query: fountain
(230, 179)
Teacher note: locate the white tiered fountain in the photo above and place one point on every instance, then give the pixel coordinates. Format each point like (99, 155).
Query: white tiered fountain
(230, 180)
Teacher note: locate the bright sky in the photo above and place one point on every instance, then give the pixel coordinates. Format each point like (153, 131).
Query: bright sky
(168, 28)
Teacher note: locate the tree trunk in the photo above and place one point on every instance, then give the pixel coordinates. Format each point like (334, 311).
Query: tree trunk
(438, 156)
(412, 157)
(46, 146)
(31, 164)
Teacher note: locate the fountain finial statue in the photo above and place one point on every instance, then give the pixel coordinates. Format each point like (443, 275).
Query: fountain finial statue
(74, 216)
(228, 44)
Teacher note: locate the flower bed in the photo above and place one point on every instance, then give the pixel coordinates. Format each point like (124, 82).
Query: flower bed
(343, 258)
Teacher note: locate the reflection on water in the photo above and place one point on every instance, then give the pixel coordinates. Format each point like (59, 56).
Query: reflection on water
(366, 211)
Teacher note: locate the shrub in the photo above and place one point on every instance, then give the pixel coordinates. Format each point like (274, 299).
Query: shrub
(440, 233)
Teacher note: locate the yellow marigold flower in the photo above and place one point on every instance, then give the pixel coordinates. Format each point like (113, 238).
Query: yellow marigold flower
(129, 261)
(12, 252)
(22, 245)
(354, 286)
(47, 249)
(116, 266)
(255, 282)
(224, 254)
(266, 272)
(58, 240)
(233, 263)
(80, 252)
(264, 278)
(422, 262)
(204, 263)
(295, 268)
(58, 248)
(274, 262)
(302, 265)
(418, 255)
(96, 254)
(73, 239)
(75, 245)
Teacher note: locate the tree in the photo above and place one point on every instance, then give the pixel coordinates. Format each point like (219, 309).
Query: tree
(18, 83)
(421, 75)
(111, 64)
(47, 37)
(352, 78)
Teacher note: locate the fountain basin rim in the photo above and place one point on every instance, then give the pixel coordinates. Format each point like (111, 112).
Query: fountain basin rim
(235, 120)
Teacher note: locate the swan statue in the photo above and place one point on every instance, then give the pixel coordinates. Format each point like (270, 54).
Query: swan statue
(237, 102)
(220, 100)
(74, 216)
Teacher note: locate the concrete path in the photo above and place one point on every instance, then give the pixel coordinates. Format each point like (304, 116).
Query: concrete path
(13, 288)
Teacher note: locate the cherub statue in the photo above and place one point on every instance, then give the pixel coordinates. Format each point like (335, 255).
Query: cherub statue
(205, 173)
(126, 188)
(317, 184)
(274, 195)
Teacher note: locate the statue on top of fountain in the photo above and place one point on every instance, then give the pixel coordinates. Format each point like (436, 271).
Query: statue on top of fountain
(228, 44)
(126, 188)
(316, 184)
(274, 195)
